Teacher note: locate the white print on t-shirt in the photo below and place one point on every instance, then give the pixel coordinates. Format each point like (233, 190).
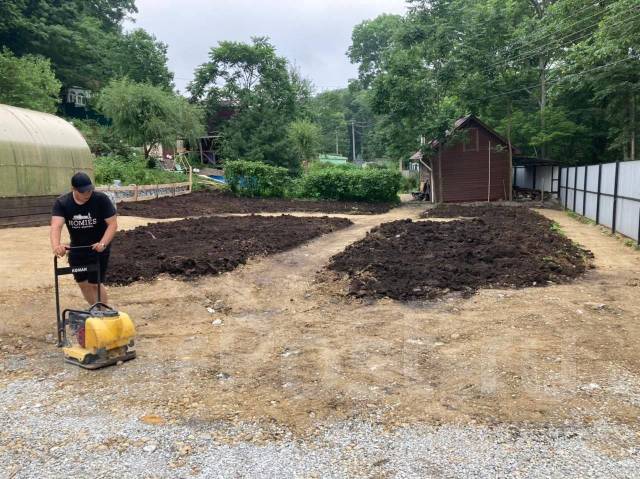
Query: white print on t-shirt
(82, 221)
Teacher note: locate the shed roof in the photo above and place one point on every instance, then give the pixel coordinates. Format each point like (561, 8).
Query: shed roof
(533, 161)
(417, 156)
(461, 123)
(39, 153)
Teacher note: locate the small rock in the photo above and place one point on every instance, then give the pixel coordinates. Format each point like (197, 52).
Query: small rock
(216, 322)
(455, 336)
(218, 305)
(150, 448)
(590, 387)
(436, 344)
(596, 306)
(210, 310)
(288, 353)
(119, 363)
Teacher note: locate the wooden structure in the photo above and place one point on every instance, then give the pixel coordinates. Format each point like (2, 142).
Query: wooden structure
(38, 155)
(472, 163)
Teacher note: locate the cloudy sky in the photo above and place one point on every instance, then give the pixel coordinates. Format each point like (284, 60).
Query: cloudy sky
(313, 34)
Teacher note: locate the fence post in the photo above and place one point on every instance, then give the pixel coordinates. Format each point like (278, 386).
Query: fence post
(638, 242)
(559, 177)
(598, 196)
(575, 186)
(535, 173)
(584, 192)
(615, 198)
(157, 191)
(135, 193)
(566, 187)
(174, 189)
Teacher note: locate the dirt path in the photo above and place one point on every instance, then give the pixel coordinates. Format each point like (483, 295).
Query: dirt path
(292, 350)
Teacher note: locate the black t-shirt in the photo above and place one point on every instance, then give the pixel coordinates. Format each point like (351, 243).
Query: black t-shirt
(85, 222)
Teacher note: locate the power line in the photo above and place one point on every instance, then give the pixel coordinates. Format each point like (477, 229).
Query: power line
(540, 49)
(553, 82)
(551, 31)
(522, 41)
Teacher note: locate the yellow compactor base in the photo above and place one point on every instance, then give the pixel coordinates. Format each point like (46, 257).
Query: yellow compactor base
(86, 359)
(107, 340)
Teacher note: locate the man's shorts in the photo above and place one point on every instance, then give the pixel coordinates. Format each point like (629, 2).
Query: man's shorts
(77, 259)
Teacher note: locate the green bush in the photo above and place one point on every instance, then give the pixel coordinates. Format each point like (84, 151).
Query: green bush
(325, 165)
(254, 178)
(132, 170)
(102, 140)
(351, 184)
(409, 184)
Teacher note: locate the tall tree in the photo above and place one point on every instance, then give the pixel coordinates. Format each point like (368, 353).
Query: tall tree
(28, 82)
(146, 115)
(304, 138)
(139, 56)
(252, 82)
(76, 35)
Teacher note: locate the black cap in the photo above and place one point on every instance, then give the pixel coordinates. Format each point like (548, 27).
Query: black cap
(81, 182)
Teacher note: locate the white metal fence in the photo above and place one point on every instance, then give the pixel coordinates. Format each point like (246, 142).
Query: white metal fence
(609, 194)
(537, 177)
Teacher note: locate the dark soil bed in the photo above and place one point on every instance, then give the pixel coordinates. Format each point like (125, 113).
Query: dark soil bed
(203, 203)
(453, 210)
(502, 247)
(207, 246)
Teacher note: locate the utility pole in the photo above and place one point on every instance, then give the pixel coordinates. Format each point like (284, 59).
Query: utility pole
(353, 139)
(337, 152)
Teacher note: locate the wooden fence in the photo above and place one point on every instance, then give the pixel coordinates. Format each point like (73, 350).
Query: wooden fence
(36, 210)
(146, 192)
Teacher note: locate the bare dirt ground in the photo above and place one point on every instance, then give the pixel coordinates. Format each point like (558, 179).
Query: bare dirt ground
(292, 351)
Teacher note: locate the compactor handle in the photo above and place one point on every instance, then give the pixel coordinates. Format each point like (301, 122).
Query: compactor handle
(100, 303)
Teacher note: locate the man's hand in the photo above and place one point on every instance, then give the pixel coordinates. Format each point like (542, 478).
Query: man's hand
(60, 250)
(99, 247)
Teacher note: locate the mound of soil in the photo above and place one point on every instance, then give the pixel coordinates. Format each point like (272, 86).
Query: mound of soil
(208, 202)
(506, 247)
(208, 246)
(453, 210)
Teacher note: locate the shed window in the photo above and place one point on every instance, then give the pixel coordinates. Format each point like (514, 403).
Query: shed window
(471, 143)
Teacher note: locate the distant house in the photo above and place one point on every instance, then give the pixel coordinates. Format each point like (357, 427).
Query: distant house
(470, 164)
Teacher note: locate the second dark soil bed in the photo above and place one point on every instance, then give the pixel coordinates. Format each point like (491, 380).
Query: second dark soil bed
(208, 246)
(204, 203)
(508, 247)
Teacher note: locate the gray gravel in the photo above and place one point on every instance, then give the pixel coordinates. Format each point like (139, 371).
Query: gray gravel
(44, 438)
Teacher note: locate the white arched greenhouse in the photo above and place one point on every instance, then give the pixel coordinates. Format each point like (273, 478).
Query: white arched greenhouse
(39, 153)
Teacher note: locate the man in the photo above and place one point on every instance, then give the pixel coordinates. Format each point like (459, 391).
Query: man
(91, 220)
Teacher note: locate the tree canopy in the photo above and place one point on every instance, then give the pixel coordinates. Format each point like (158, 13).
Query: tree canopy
(28, 82)
(250, 96)
(561, 75)
(146, 115)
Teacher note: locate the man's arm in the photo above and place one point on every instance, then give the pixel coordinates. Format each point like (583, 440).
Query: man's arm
(107, 237)
(57, 222)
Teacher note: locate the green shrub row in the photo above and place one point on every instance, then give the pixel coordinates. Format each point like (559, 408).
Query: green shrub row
(254, 178)
(329, 182)
(133, 170)
(367, 184)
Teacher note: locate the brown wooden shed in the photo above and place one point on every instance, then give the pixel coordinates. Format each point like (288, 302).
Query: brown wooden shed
(471, 164)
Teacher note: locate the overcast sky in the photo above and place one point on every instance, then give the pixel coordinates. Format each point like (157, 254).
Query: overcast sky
(313, 34)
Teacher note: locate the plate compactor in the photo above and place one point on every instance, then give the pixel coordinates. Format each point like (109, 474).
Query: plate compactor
(99, 336)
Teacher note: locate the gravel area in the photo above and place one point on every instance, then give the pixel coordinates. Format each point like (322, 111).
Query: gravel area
(41, 437)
